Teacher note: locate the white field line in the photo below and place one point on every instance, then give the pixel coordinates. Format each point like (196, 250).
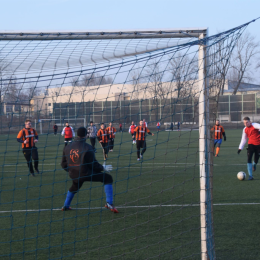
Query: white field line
(131, 207)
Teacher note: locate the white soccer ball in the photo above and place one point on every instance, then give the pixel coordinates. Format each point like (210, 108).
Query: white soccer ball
(241, 176)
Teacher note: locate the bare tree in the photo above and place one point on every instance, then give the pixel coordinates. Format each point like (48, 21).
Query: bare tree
(242, 60)
(95, 79)
(136, 82)
(183, 70)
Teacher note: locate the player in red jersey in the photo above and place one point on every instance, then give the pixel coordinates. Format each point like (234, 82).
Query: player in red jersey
(68, 133)
(218, 133)
(132, 131)
(250, 132)
(158, 125)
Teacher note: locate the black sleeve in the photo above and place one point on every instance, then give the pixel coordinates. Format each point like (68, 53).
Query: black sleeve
(92, 163)
(224, 134)
(64, 164)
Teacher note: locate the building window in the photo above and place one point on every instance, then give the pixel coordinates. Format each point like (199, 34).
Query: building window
(49, 104)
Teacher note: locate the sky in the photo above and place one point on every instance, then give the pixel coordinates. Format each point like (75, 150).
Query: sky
(84, 15)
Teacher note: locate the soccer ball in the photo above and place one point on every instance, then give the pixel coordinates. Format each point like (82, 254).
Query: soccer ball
(241, 176)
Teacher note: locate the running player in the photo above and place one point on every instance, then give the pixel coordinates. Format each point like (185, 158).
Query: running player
(79, 160)
(141, 131)
(111, 136)
(218, 133)
(102, 136)
(145, 123)
(250, 132)
(68, 133)
(132, 131)
(28, 137)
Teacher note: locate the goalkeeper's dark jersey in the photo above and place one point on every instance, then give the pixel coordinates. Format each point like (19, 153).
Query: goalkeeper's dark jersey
(79, 159)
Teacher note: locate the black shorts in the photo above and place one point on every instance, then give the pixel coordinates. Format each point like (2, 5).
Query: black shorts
(251, 150)
(140, 144)
(67, 139)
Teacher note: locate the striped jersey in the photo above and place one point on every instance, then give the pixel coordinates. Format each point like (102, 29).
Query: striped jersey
(111, 132)
(218, 131)
(28, 134)
(141, 132)
(102, 135)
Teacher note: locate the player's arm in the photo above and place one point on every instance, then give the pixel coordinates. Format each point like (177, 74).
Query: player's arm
(73, 133)
(224, 134)
(256, 126)
(99, 136)
(114, 130)
(36, 137)
(64, 163)
(243, 141)
(129, 131)
(20, 137)
(63, 131)
(148, 132)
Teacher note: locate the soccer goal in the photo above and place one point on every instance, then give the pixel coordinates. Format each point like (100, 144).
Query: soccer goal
(164, 199)
(45, 126)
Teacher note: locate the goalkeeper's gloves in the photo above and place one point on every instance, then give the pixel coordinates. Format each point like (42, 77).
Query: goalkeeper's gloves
(107, 168)
(225, 139)
(239, 150)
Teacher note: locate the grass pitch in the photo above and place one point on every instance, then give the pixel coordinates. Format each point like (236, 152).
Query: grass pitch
(158, 202)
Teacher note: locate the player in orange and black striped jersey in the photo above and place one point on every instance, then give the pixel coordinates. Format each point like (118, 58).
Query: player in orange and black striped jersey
(218, 133)
(141, 132)
(111, 136)
(102, 136)
(29, 137)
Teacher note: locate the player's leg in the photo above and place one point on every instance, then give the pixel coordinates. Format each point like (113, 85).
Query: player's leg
(28, 156)
(93, 142)
(250, 152)
(219, 141)
(144, 148)
(106, 150)
(65, 141)
(256, 157)
(35, 158)
(138, 147)
(103, 150)
(108, 187)
(76, 185)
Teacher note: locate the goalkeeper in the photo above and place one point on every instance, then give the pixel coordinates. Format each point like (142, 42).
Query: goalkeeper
(79, 160)
(250, 132)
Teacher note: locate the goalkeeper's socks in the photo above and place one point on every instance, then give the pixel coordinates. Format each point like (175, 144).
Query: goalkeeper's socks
(250, 169)
(109, 193)
(69, 198)
(217, 150)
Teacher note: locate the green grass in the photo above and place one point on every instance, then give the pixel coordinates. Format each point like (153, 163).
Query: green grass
(168, 176)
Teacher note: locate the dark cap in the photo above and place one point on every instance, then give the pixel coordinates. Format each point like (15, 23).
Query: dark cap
(82, 132)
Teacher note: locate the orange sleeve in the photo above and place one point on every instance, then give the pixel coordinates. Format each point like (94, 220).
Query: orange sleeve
(98, 133)
(20, 134)
(147, 130)
(35, 132)
(212, 129)
(114, 129)
(136, 129)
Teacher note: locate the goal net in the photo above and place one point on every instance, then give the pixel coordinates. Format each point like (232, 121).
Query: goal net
(164, 199)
